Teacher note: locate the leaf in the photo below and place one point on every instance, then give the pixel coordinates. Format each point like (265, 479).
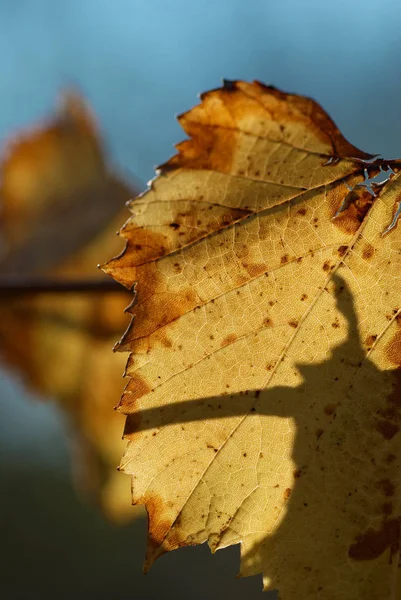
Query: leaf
(263, 402)
(61, 203)
(53, 179)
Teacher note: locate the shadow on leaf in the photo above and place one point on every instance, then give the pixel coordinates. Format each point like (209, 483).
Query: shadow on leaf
(336, 527)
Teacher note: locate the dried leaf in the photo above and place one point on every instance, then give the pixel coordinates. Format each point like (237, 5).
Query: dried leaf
(263, 405)
(55, 180)
(57, 196)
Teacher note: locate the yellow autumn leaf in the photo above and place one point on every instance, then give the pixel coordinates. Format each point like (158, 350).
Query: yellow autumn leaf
(57, 191)
(61, 204)
(263, 403)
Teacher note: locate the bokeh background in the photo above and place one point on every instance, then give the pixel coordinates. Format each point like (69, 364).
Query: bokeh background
(140, 62)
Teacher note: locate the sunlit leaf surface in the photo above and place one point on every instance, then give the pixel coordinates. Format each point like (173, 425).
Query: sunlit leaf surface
(263, 402)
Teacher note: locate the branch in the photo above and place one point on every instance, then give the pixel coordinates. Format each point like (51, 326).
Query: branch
(16, 286)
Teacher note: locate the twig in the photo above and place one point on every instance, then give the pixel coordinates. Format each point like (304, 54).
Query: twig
(16, 286)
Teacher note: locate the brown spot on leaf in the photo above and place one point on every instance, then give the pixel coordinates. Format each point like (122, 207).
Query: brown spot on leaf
(327, 266)
(210, 148)
(155, 306)
(393, 349)
(353, 210)
(329, 409)
(163, 534)
(148, 245)
(254, 270)
(229, 339)
(157, 526)
(136, 388)
(386, 487)
(342, 250)
(373, 543)
(287, 493)
(387, 429)
(293, 323)
(370, 340)
(161, 337)
(368, 252)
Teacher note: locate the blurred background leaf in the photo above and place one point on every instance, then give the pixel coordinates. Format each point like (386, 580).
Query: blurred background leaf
(59, 201)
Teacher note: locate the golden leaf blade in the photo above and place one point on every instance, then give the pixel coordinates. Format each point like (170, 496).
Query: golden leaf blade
(263, 400)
